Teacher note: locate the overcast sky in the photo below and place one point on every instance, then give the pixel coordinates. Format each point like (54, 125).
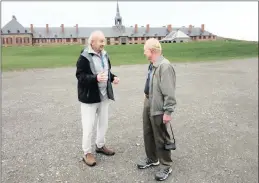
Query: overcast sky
(229, 19)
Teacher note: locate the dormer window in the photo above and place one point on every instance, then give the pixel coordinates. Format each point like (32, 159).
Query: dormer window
(40, 35)
(18, 31)
(26, 31)
(9, 31)
(71, 35)
(56, 35)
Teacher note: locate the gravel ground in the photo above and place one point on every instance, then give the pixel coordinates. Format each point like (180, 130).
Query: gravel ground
(216, 126)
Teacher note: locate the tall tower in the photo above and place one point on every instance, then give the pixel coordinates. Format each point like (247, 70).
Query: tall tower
(118, 18)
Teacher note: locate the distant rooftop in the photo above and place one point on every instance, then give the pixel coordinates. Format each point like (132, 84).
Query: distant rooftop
(14, 27)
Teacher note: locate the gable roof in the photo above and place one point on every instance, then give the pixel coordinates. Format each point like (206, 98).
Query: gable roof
(13, 26)
(175, 34)
(83, 32)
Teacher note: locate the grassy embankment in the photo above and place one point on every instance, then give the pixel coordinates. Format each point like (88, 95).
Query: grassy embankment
(16, 58)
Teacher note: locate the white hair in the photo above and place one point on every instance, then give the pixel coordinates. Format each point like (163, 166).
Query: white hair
(92, 35)
(153, 44)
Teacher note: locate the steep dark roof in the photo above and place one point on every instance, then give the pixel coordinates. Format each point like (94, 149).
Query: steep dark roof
(70, 32)
(13, 26)
(115, 31)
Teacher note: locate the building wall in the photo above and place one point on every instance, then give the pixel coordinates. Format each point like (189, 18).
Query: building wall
(57, 41)
(28, 40)
(204, 38)
(179, 40)
(16, 40)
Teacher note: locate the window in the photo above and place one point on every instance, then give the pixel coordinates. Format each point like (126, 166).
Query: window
(3, 40)
(74, 39)
(68, 40)
(19, 40)
(18, 31)
(9, 40)
(204, 37)
(135, 38)
(26, 40)
(142, 38)
(9, 31)
(83, 41)
(26, 31)
(108, 42)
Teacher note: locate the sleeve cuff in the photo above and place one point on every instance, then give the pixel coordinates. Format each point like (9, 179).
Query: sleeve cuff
(168, 113)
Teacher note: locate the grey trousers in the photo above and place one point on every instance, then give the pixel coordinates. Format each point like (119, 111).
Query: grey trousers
(155, 136)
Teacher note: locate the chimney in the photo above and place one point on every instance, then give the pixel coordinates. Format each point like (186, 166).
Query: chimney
(31, 28)
(47, 28)
(62, 28)
(76, 28)
(136, 28)
(147, 28)
(190, 29)
(202, 27)
(169, 28)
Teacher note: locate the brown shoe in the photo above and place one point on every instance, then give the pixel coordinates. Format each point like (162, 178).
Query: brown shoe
(89, 159)
(105, 151)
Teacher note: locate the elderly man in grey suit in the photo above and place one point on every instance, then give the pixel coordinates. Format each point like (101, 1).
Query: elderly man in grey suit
(159, 104)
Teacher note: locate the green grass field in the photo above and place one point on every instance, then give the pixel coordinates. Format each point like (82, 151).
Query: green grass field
(16, 58)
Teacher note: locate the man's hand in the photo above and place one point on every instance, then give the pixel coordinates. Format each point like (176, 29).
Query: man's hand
(102, 77)
(166, 118)
(116, 80)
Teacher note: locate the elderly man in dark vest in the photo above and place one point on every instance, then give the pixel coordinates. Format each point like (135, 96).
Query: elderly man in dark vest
(95, 92)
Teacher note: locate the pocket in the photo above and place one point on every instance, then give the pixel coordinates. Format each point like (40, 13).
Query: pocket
(158, 102)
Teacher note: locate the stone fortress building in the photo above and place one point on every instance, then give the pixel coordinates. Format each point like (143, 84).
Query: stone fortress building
(15, 34)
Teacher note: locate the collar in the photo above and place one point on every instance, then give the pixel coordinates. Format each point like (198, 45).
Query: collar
(158, 61)
(90, 50)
